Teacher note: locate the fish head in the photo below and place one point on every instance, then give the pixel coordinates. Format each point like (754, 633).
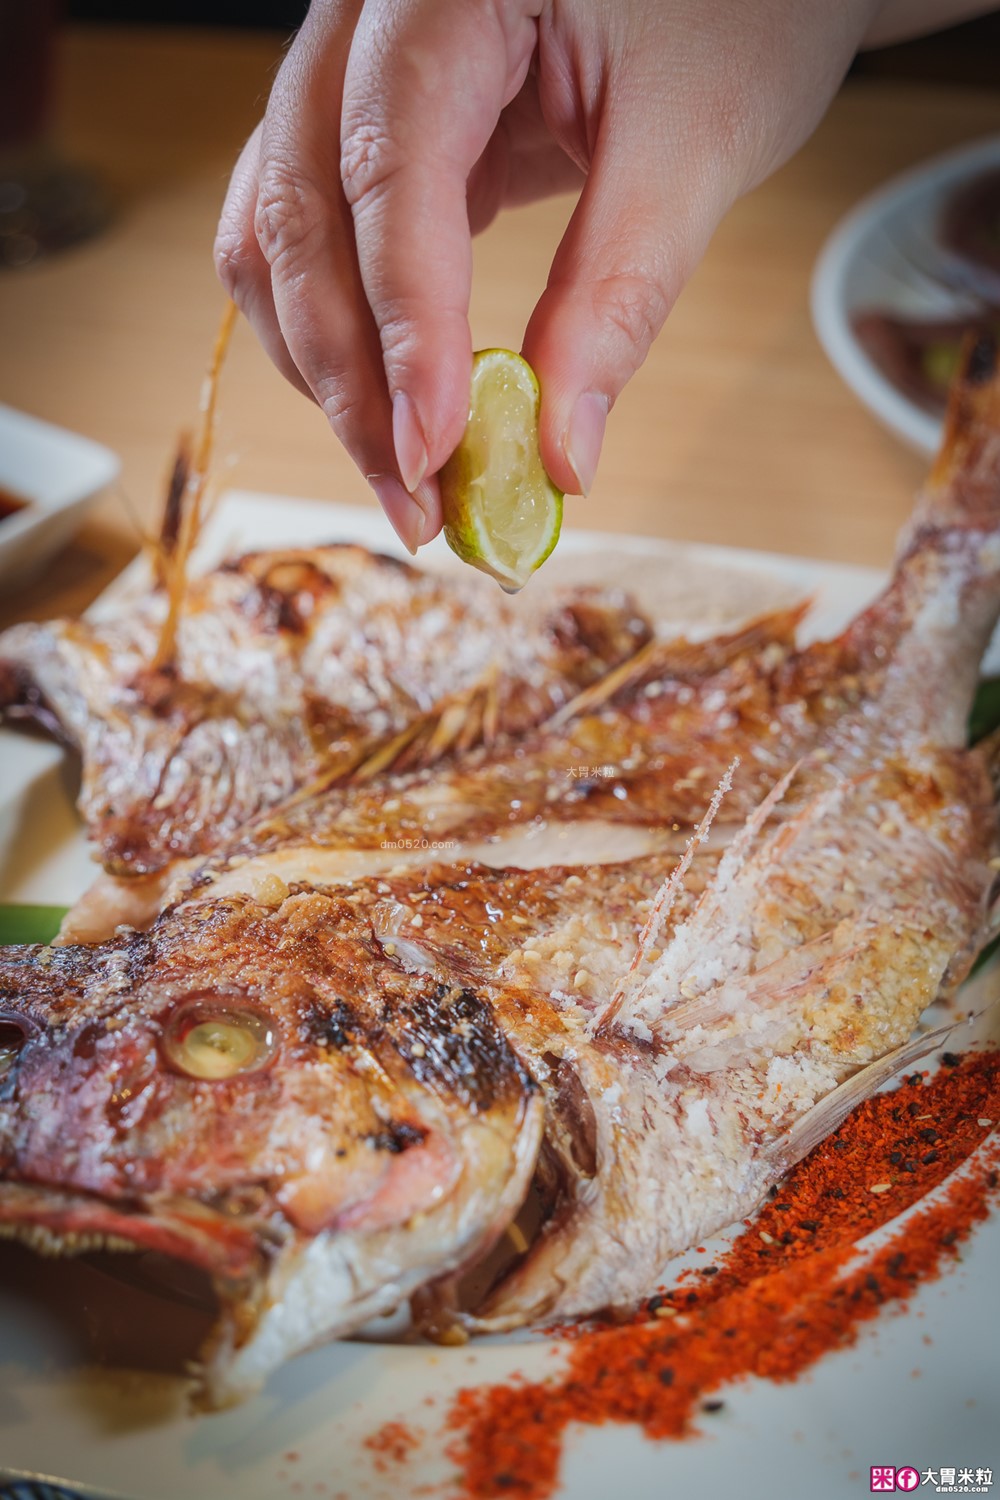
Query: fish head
(268, 1094)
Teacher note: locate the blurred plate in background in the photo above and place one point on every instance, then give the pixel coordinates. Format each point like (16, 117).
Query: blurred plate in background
(48, 479)
(902, 276)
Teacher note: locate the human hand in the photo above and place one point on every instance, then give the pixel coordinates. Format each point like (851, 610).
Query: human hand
(395, 128)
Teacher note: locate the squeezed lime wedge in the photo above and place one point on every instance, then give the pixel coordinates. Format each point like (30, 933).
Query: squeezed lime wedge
(502, 513)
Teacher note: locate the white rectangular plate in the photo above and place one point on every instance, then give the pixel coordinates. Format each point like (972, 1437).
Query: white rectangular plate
(59, 474)
(129, 1436)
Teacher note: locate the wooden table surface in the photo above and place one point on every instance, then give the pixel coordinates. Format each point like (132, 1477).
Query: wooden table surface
(736, 430)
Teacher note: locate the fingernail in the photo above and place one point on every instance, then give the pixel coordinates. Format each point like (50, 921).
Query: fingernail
(408, 438)
(405, 516)
(585, 436)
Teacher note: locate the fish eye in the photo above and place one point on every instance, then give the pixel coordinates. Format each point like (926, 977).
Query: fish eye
(13, 1035)
(215, 1039)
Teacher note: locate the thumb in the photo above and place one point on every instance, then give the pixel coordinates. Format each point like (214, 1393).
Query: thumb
(630, 245)
(695, 105)
(426, 83)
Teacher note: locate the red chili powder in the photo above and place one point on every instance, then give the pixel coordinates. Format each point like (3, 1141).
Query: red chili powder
(790, 1289)
(393, 1443)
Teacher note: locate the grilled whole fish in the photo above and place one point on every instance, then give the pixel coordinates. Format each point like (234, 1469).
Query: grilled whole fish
(291, 667)
(331, 1085)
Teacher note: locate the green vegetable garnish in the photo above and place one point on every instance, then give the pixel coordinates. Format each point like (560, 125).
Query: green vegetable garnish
(985, 715)
(940, 362)
(29, 924)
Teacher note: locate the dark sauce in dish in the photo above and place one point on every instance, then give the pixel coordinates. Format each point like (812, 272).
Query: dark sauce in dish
(10, 504)
(919, 356)
(970, 221)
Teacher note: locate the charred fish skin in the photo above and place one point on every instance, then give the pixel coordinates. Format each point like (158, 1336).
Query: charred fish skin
(532, 804)
(291, 667)
(630, 772)
(640, 749)
(265, 1094)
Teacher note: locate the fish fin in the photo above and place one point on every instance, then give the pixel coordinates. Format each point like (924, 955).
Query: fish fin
(680, 659)
(778, 983)
(176, 558)
(831, 1111)
(632, 987)
(738, 853)
(662, 903)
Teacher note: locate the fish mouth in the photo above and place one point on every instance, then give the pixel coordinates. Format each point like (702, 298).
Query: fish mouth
(55, 1222)
(280, 1290)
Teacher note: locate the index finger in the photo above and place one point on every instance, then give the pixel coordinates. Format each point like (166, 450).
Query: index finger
(305, 230)
(423, 92)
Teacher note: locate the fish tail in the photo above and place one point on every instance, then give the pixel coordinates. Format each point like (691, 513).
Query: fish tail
(939, 612)
(963, 487)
